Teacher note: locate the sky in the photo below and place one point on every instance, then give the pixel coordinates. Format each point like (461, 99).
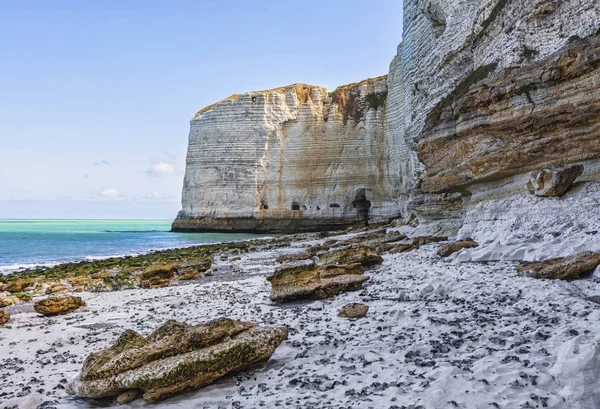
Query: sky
(96, 96)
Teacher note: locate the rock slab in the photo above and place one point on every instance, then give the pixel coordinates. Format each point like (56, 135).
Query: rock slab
(175, 358)
(353, 311)
(562, 268)
(305, 279)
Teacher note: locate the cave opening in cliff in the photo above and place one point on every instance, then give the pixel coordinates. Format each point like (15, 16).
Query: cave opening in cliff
(253, 99)
(362, 205)
(295, 206)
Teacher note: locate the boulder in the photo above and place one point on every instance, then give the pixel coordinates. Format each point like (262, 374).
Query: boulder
(7, 301)
(16, 286)
(553, 181)
(4, 317)
(58, 305)
(158, 276)
(402, 248)
(305, 279)
(448, 249)
(193, 269)
(562, 268)
(367, 256)
(353, 311)
(175, 358)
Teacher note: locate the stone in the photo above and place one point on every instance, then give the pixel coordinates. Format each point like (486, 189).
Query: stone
(4, 317)
(176, 358)
(193, 268)
(79, 281)
(58, 305)
(309, 161)
(158, 276)
(59, 288)
(127, 397)
(448, 249)
(367, 256)
(7, 301)
(562, 268)
(307, 280)
(353, 311)
(553, 181)
(403, 248)
(18, 285)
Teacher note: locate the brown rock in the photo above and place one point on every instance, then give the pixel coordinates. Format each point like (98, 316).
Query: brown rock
(562, 268)
(4, 317)
(17, 286)
(175, 358)
(158, 276)
(448, 249)
(79, 281)
(57, 289)
(403, 248)
(58, 305)
(353, 311)
(305, 279)
(553, 181)
(367, 256)
(6, 301)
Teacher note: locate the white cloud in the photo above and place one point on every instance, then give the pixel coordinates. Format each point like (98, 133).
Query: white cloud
(110, 192)
(161, 168)
(102, 162)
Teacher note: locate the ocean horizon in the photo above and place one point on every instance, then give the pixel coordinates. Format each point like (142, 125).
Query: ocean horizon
(29, 243)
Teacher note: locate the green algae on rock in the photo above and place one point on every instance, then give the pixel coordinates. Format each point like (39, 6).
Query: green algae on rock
(175, 358)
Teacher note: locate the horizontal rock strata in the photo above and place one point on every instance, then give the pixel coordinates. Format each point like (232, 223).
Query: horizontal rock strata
(290, 159)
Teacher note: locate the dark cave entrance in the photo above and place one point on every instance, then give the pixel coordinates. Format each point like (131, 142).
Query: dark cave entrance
(362, 205)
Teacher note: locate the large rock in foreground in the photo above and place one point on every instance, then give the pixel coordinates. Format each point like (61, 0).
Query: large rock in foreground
(562, 268)
(58, 305)
(305, 279)
(175, 358)
(448, 249)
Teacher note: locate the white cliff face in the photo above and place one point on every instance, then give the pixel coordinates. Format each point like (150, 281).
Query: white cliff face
(291, 159)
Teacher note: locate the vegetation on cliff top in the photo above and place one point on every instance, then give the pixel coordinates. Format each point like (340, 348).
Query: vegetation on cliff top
(352, 106)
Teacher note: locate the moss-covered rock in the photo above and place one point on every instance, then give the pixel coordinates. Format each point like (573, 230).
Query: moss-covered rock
(58, 305)
(175, 358)
(18, 285)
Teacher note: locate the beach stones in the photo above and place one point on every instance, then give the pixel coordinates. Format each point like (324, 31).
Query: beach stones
(306, 279)
(562, 268)
(448, 249)
(4, 317)
(353, 311)
(58, 305)
(553, 181)
(175, 358)
(7, 301)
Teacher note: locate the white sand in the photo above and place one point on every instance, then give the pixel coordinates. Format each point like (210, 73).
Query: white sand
(438, 335)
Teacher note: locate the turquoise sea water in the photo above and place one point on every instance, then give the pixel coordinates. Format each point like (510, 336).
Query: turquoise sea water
(28, 243)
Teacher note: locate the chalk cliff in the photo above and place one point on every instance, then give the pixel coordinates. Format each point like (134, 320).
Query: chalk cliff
(480, 93)
(291, 159)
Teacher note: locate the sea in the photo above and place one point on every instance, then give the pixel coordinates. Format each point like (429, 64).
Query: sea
(31, 243)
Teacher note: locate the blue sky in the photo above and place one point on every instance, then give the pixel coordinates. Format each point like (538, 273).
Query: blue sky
(97, 95)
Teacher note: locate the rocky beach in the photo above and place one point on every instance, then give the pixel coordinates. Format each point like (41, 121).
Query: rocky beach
(438, 332)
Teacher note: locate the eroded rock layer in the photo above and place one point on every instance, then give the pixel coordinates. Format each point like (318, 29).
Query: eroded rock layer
(290, 159)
